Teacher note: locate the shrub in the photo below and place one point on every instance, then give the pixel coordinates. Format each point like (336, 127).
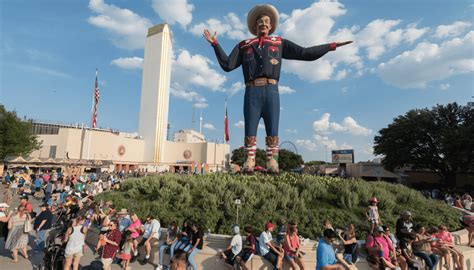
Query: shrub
(209, 200)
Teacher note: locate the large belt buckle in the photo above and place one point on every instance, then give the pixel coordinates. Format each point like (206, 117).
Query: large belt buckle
(260, 81)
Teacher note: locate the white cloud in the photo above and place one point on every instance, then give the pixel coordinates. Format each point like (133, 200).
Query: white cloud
(379, 35)
(451, 30)
(177, 91)
(43, 70)
(444, 86)
(291, 131)
(235, 88)
(188, 69)
(325, 141)
(429, 62)
(128, 62)
(239, 124)
(209, 126)
(307, 144)
(128, 29)
(177, 11)
(282, 89)
(348, 125)
(230, 27)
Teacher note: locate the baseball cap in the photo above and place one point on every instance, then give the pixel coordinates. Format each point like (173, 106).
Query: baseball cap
(269, 225)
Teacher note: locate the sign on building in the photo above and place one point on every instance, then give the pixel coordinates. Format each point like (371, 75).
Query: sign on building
(343, 156)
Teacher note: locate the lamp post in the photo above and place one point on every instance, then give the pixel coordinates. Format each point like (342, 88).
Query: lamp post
(237, 203)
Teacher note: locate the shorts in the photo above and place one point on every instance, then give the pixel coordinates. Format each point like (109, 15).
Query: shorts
(230, 257)
(289, 257)
(125, 256)
(271, 257)
(153, 241)
(106, 262)
(246, 255)
(75, 255)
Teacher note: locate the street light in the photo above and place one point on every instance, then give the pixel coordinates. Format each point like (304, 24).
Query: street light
(237, 203)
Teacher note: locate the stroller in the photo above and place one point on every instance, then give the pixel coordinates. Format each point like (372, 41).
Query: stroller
(54, 251)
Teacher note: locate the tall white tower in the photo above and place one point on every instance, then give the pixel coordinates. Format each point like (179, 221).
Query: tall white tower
(155, 91)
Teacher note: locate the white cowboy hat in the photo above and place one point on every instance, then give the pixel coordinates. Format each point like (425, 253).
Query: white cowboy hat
(258, 10)
(2, 205)
(123, 211)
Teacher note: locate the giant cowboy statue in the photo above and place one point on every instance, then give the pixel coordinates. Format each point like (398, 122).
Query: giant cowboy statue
(260, 58)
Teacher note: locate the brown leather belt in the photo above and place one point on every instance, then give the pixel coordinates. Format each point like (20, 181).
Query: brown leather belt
(261, 82)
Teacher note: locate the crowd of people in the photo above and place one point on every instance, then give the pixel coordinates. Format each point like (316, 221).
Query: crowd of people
(68, 209)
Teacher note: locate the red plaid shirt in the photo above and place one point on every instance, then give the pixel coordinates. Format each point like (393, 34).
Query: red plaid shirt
(109, 249)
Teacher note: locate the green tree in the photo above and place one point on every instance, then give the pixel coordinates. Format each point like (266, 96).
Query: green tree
(288, 160)
(15, 135)
(314, 162)
(238, 157)
(439, 139)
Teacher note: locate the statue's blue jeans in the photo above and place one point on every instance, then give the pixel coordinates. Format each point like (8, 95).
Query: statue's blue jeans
(262, 102)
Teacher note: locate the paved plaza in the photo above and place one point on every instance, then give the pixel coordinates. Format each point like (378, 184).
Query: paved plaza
(88, 261)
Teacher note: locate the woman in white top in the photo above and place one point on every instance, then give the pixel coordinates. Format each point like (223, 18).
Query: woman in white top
(17, 238)
(75, 238)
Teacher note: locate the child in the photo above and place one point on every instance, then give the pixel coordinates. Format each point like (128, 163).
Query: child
(127, 250)
(372, 214)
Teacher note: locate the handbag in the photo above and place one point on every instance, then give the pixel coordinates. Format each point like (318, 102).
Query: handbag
(28, 226)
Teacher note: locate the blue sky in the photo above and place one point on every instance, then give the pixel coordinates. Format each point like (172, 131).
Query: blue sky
(407, 54)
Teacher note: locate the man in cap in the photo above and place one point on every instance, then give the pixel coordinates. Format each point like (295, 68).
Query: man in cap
(42, 224)
(260, 58)
(404, 226)
(270, 250)
(28, 206)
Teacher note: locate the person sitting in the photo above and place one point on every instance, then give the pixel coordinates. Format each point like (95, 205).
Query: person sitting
(325, 255)
(467, 221)
(446, 238)
(292, 246)
(439, 248)
(197, 242)
(404, 225)
(151, 236)
(407, 252)
(270, 251)
(234, 248)
(422, 248)
(379, 245)
(348, 237)
(249, 249)
(171, 239)
(184, 238)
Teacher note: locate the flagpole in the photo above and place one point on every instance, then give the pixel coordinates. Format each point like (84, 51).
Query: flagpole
(93, 115)
(226, 121)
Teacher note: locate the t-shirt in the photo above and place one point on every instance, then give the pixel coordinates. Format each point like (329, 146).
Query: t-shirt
(401, 224)
(236, 244)
(425, 247)
(44, 215)
(196, 236)
(154, 226)
(124, 223)
(109, 249)
(37, 183)
(28, 207)
(251, 242)
(135, 225)
(325, 255)
(263, 240)
(377, 242)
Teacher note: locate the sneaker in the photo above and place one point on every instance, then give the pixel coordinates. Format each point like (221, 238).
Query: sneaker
(159, 267)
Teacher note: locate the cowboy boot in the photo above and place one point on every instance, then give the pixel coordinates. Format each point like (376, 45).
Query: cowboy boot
(272, 154)
(250, 147)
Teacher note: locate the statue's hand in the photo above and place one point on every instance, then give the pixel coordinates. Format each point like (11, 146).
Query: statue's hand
(339, 44)
(210, 38)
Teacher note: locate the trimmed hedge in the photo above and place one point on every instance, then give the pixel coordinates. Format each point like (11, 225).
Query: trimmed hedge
(308, 199)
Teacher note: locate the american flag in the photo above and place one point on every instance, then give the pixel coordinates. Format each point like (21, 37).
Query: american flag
(96, 101)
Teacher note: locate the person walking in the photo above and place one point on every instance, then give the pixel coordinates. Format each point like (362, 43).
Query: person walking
(17, 237)
(7, 195)
(75, 238)
(42, 224)
(112, 242)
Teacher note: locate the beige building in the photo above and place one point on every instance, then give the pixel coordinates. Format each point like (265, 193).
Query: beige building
(148, 149)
